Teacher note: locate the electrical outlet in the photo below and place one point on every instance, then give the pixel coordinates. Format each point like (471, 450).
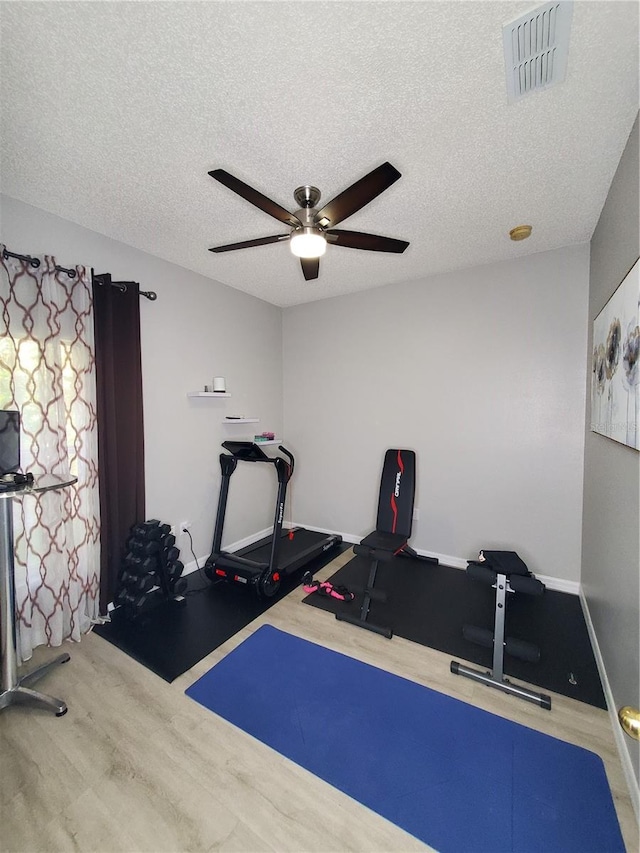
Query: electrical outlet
(184, 526)
(416, 515)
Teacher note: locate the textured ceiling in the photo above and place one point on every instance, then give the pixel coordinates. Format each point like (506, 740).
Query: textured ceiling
(113, 113)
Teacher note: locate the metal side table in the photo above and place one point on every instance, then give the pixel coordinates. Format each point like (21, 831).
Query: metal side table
(15, 690)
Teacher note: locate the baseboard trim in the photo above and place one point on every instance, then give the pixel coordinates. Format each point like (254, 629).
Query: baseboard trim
(560, 585)
(618, 734)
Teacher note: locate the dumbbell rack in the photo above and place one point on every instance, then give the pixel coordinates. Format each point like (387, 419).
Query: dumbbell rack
(151, 570)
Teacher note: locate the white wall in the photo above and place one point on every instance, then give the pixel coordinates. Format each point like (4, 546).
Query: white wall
(482, 372)
(197, 328)
(611, 532)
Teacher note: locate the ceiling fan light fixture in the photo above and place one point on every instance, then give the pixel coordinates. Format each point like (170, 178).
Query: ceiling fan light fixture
(308, 242)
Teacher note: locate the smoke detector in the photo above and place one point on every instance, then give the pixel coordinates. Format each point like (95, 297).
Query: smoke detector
(536, 47)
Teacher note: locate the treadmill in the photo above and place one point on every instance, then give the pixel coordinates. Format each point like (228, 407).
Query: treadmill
(263, 564)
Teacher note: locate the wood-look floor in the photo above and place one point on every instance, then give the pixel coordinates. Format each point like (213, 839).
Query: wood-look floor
(137, 766)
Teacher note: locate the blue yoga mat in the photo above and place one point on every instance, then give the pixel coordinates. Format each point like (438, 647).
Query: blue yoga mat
(454, 776)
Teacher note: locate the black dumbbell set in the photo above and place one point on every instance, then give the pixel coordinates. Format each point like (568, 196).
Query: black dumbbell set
(151, 570)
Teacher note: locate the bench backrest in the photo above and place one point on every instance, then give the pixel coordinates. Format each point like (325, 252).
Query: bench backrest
(397, 492)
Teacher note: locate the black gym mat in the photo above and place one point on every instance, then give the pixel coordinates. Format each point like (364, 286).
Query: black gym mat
(429, 604)
(170, 638)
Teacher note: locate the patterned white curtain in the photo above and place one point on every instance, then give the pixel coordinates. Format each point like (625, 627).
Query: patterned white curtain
(47, 373)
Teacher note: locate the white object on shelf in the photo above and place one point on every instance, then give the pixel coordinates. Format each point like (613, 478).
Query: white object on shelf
(241, 421)
(206, 394)
(269, 441)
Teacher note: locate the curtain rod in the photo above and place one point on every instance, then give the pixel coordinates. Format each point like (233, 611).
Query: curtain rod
(35, 262)
(104, 278)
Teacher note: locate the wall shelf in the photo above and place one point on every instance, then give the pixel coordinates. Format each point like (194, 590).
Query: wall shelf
(241, 421)
(270, 441)
(207, 394)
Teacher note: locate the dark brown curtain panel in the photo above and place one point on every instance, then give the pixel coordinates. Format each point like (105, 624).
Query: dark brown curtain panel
(120, 425)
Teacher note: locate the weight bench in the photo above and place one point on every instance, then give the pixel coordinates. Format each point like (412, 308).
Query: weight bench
(507, 573)
(393, 530)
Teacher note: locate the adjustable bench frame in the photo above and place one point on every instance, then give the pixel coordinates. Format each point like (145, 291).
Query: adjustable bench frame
(503, 584)
(393, 529)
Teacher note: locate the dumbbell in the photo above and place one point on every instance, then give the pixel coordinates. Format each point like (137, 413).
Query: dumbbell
(134, 604)
(121, 596)
(168, 541)
(180, 586)
(174, 570)
(139, 536)
(166, 559)
(174, 582)
(138, 583)
(147, 529)
(170, 555)
(139, 565)
(131, 602)
(142, 548)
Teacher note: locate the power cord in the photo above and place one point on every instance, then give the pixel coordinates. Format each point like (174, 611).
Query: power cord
(207, 582)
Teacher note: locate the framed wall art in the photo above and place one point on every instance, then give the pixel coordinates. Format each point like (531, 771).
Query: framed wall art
(615, 382)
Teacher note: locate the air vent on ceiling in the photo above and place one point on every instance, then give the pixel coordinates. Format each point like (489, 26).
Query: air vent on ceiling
(536, 47)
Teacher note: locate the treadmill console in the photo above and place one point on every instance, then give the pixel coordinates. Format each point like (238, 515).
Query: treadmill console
(246, 450)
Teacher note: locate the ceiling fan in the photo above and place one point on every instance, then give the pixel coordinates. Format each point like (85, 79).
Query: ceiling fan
(313, 228)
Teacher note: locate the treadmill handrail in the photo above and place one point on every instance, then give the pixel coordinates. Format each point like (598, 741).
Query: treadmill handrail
(292, 461)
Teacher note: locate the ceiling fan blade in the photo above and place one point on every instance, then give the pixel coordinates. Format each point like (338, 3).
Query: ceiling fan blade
(371, 242)
(310, 267)
(357, 195)
(256, 198)
(246, 244)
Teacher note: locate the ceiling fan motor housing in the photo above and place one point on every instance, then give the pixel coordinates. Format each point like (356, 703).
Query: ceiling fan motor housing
(307, 196)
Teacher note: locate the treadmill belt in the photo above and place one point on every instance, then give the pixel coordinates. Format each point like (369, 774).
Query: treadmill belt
(289, 548)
